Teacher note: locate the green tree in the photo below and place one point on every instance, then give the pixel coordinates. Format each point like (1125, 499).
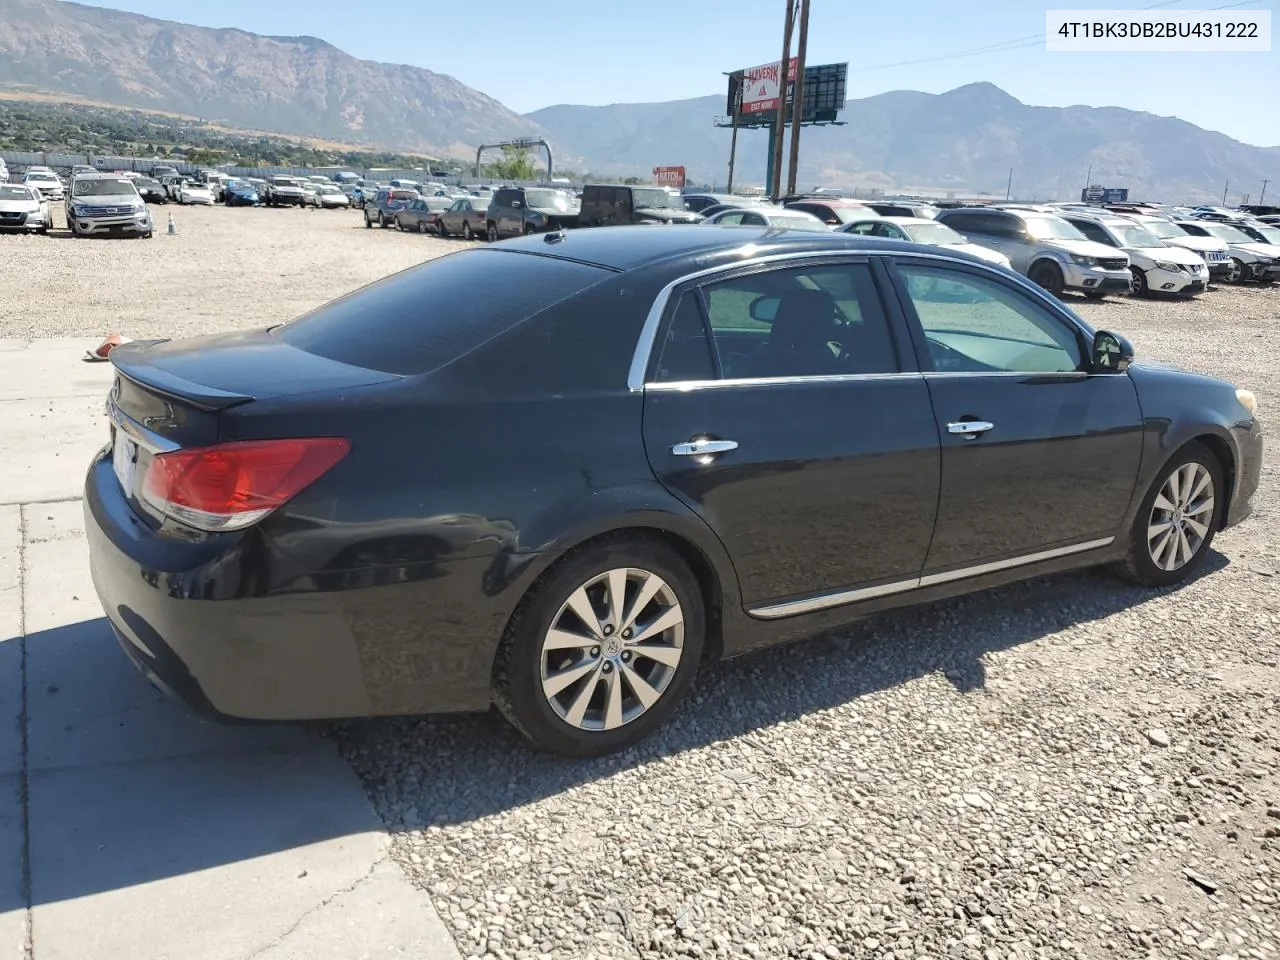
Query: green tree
(514, 165)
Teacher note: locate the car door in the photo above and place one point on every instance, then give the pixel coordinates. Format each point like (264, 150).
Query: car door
(1038, 453)
(784, 407)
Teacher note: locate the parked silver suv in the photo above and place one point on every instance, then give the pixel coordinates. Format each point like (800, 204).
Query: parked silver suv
(1045, 249)
(106, 203)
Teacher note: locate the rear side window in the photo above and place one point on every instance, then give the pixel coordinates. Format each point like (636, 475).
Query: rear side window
(422, 318)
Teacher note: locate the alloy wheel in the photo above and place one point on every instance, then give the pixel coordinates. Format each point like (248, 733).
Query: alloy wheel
(612, 649)
(1235, 272)
(1181, 517)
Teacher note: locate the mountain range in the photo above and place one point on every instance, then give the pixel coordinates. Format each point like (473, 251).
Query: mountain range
(964, 141)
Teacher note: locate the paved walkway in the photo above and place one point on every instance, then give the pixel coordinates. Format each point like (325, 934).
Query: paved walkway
(127, 829)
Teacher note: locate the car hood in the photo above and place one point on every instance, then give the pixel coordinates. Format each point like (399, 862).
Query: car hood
(1084, 248)
(1258, 249)
(667, 213)
(556, 212)
(977, 250)
(1204, 244)
(1179, 255)
(19, 206)
(109, 200)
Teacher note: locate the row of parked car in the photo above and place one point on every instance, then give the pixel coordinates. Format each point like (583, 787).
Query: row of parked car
(1124, 248)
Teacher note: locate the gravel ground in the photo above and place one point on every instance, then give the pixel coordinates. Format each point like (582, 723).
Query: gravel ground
(1064, 768)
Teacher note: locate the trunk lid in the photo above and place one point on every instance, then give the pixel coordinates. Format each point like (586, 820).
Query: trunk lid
(170, 394)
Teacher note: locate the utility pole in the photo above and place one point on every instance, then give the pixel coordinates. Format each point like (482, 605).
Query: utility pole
(1224, 192)
(1263, 195)
(733, 142)
(780, 122)
(797, 100)
(1008, 190)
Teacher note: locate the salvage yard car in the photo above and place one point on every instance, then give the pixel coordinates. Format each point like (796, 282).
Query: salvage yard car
(24, 208)
(614, 204)
(920, 230)
(46, 181)
(285, 192)
(418, 499)
(464, 217)
(1249, 259)
(383, 206)
(1045, 249)
(514, 211)
(1155, 265)
(104, 203)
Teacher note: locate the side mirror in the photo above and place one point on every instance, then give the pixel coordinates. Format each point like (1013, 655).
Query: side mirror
(1112, 353)
(763, 309)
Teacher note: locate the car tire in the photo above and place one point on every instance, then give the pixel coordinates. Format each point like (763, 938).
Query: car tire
(1236, 273)
(491, 233)
(1178, 505)
(1138, 286)
(1047, 275)
(440, 230)
(422, 227)
(368, 224)
(467, 232)
(577, 713)
(382, 221)
(528, 229)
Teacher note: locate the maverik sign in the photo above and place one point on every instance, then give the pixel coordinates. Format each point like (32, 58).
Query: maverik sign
(760, 86)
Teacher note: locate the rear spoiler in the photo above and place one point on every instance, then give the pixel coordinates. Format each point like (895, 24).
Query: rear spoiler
(131, 362)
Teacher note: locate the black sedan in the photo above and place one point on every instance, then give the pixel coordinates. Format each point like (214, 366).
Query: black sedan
(420, 498)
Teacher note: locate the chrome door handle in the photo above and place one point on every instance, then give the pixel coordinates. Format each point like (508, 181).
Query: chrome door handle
(698, 448)
(969, 429)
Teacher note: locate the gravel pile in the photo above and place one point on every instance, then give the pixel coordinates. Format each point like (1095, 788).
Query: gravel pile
(1067, 768)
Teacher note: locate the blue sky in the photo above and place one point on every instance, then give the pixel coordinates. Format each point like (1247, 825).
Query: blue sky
(603, 51)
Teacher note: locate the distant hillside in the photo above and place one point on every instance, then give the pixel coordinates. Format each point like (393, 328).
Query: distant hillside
(297, 85)
(965, 140)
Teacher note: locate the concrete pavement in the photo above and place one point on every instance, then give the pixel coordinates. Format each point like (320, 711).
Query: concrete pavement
(128, 829)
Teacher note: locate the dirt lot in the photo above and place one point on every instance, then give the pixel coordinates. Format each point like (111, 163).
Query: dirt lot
(1065, 768)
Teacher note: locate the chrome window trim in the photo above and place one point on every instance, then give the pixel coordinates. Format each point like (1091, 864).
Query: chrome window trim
(150, 441)
(684, 386)
(653, 320)
(792, 608)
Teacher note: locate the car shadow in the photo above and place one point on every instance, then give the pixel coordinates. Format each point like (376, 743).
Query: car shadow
(121, 786)
(497, 770)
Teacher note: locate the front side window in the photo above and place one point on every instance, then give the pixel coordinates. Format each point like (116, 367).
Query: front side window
(977, 325)
(800, 322)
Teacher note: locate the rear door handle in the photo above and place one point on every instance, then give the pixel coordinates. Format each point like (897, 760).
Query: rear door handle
(969, 429)
(697, 448)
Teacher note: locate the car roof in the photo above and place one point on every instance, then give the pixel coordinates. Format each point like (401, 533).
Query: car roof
(625, 248)
(906, 221)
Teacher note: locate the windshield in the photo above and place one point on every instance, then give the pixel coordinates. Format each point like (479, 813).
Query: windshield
(14, 193)
(547, 198)
(1136, 236)
(146, 182)
(402, 195)
(1165, 229)
(1052, 228)
(656, 197)
(285, 182)
(1271, 233)
(331, 190)
(1224, 232)
(103, 188)
(938, 234)
(40, 176)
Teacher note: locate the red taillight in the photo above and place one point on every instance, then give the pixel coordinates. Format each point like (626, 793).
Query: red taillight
(232, 485)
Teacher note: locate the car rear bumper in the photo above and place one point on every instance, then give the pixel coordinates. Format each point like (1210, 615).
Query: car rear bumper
(197, 617)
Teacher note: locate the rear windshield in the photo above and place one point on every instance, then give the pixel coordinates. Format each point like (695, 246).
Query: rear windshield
(422, 318)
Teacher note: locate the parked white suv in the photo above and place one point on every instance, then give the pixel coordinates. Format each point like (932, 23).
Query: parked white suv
(107, 203)
(1044, 248)
(1210, 249)
(1155, 266)
(1250, 260)
(46, 181)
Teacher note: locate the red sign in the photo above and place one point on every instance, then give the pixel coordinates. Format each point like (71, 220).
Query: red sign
(669, 176)
(760, 86)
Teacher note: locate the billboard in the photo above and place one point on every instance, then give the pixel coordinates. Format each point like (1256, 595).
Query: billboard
(1098, 195)
(669, 176)
(824, 92)
(760, 87)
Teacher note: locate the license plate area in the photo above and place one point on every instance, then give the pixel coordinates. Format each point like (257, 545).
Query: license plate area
(124, 460)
